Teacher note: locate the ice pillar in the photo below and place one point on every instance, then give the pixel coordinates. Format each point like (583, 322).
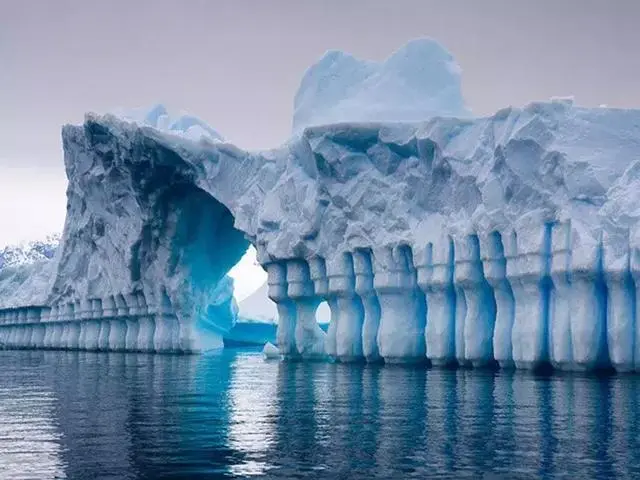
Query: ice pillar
(146, 324)
(402, 317)
(621, 305)
(167, 327)
(363, 270)
(133, 304)
(474, 336)
(560, 349)
(278, 293)
(588, 304)
(528, 272)
(350, 313)
(435, 266)
(308, 334)
(495, 272)
(115, 312)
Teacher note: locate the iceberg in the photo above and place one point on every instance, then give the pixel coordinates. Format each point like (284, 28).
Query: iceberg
(509, 240)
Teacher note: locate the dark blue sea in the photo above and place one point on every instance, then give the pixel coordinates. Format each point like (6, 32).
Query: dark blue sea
(94, 416)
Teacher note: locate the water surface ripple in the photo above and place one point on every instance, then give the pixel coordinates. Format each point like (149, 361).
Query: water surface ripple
(80, 415)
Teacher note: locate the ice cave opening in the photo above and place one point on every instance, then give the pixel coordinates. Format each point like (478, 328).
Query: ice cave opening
(203, 239)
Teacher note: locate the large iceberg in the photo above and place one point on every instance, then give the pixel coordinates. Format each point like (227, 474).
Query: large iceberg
(511, 239)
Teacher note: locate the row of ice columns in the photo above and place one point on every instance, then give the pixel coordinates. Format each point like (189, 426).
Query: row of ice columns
(298, 287)
(114, 323)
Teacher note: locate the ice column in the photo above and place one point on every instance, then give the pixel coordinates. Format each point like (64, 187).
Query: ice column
(318, 273)
(132, 304)
(621, 304)
(167, 327)
(495, 272)
(47, 341)
(37, 340)
(278, 293)
(588, 304)
(350, 312)
(106, 315)
(474, 337)
(72, 339)
(308, 334)
(25, 334)
(83, 312)
(363, 270)
(560, 349)
(146, 323)
(58, 326)
(115, 312)
(435, 277)
(528, 270)
(402, 317)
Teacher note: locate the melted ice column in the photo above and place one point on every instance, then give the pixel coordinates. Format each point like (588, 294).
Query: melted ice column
(278, 293)
(350, 312)
(37, 340)
(474, 338)
(72, 339)
(588, 306)
(621, 306)
(318, 274)
(363, 270)
(163, 339)
(132, 304)
(24, 329)
(49, 328)
(58, 327)
(495, 272)
(308, 334)
(146, 323)
(435, 277)
(402, 317)
(528, 268)
(117, 311)
(94, 314)
(560, 349)
(107, 311)
(83, 311)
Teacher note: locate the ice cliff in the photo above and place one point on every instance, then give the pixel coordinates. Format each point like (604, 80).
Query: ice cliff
(510, 239)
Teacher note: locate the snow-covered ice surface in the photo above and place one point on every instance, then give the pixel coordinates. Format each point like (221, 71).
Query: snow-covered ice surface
(419, 81)
(511, 238)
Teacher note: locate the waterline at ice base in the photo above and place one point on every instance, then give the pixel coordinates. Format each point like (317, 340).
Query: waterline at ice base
(433, 235)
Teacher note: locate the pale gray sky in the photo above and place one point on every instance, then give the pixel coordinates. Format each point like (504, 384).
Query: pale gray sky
(237, 64)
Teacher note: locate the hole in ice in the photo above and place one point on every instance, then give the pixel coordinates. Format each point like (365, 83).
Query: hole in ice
(323, 315)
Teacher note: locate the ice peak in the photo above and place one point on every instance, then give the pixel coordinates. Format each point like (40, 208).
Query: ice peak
(419, 81)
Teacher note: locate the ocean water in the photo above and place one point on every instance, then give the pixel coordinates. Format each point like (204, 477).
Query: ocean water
(90, 416)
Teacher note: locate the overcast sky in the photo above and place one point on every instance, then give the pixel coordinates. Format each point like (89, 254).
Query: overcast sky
(237, 64)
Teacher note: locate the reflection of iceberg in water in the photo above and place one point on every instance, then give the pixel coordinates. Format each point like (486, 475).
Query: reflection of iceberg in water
(30, 439)
(86, 415)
